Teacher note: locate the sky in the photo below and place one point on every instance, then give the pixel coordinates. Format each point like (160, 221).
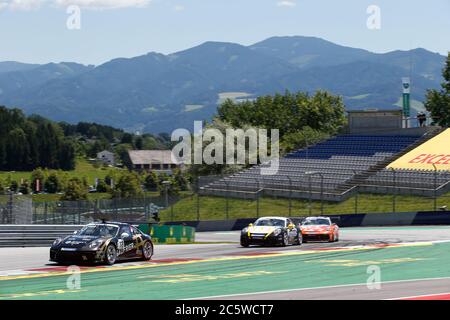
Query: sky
(36, 31)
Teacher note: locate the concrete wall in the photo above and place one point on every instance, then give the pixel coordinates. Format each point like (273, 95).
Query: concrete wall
(345, 220)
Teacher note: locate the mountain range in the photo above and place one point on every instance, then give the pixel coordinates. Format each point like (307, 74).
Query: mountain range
(159, 93)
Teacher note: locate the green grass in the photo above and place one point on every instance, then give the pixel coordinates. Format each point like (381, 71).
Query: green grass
(214, 208)
(83, 169)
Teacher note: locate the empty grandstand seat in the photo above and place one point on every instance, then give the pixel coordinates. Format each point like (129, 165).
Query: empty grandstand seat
(337, 159)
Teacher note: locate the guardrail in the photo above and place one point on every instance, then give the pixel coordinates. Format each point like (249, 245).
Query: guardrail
(33, 235)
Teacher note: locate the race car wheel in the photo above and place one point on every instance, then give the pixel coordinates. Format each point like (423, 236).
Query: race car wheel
(299, 239)
(285, 240)
(147, 250)
(304, 240)
(110, 255)
(332, 238)
(245, 243)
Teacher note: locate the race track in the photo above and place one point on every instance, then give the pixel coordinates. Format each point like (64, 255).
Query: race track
(411, 262)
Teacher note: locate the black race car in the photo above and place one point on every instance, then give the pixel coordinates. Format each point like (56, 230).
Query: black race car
(103, 243)
(271, 231)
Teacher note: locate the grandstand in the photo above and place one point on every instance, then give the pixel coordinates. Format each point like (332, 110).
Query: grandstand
(332, 170)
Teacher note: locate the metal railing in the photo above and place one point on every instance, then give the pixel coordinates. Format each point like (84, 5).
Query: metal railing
(299, 197)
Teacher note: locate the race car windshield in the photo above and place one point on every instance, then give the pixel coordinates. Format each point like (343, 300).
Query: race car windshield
(99, 231)
(316, 222)
(269, 223)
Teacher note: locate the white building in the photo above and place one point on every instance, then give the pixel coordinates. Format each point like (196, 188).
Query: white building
(106, 157)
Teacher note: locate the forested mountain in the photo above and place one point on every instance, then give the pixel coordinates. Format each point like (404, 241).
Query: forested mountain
(158, 93)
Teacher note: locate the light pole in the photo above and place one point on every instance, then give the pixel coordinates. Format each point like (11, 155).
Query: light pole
(394, 180)
(356, 193)
(435, 187)
(290, 196)
(310, 174)
(166, 192)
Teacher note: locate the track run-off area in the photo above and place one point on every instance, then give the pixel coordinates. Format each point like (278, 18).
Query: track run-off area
(367, 263)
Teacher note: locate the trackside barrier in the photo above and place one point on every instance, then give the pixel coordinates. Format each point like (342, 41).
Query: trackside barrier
(169, 233)
(344, 220)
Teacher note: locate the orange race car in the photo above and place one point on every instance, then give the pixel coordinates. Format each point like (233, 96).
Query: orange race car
(319, 229)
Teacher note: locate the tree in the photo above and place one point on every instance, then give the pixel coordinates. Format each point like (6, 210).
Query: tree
(102, 186)
(67, 156)
(301, 139)
(139, 143)
(110, 179)
(151, 181)
(438, 102)
(37, 174)
(75, 190)
(24, 187)
(180, 179)
(52, 184)
(127, 138)
(128, 186)
(122, 154)
(14, 186)
(2, 188)
(173, 188)
(287, 113)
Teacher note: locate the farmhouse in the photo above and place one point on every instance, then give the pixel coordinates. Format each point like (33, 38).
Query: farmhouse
(153, 160)
(106, 156)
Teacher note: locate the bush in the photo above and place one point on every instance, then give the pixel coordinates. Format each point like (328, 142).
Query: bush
(152, 181)
(14, 186)
(24, 187)
(75, 190)
(38, 174)
(102, 186)
(128, 186)
(52, 184)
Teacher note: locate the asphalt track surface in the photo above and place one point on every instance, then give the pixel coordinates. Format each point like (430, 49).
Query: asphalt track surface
(414, 261)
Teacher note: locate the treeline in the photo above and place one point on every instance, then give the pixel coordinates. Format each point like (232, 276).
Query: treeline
(92, 138)
(289, 113)
(119, 184)
(30, 142)
(302, 120)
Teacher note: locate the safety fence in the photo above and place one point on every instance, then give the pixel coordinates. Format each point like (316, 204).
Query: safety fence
(22, 210)
(192, 206)
(195, 207)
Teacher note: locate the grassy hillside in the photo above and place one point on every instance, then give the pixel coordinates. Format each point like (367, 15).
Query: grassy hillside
(213, 208)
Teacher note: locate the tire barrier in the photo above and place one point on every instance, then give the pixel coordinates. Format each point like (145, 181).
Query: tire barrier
(344, 220)
(170, 234)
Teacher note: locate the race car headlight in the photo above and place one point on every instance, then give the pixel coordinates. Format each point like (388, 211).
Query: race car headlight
(56, 242)
(245, 230)
(95, 244)
(276, 232)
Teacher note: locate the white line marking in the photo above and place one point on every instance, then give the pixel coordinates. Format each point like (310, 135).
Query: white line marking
(313, 288)
(421, 296)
